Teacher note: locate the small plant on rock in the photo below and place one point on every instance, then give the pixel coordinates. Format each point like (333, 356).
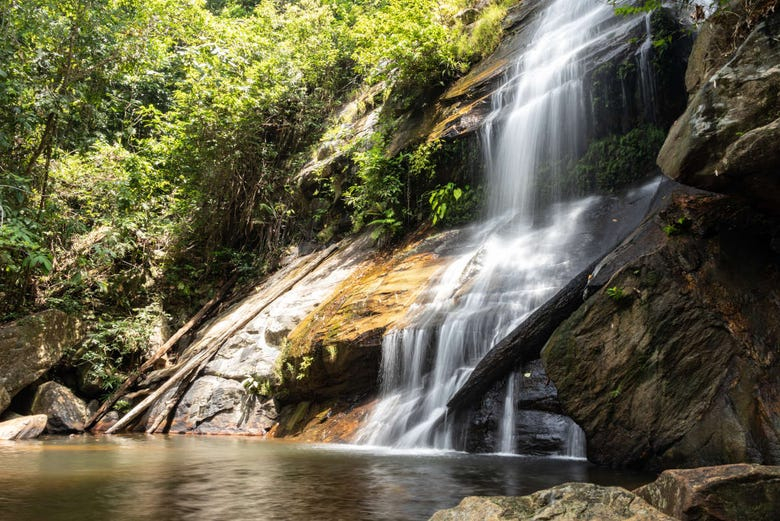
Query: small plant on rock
(257, 385)
(616, 293)
(678, 227)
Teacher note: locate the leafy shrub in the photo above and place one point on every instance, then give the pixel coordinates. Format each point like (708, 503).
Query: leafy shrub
(258, 385)
(376, 196)
(616, 293)
(485, 34)
(451, 204)
(116, 345)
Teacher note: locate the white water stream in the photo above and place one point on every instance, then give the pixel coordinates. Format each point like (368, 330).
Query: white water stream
(527, 248)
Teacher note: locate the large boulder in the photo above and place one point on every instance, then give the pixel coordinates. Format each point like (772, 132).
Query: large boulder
(674, 362)
(31, 346)
(725, 493)
(66, 412)
(214, 405)
(23, 428)
(567, 502)
(726, 141)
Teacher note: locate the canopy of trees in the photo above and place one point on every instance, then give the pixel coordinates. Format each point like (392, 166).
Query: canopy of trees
(147, 147)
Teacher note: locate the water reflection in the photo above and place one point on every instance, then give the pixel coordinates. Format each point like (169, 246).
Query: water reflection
(175, 478)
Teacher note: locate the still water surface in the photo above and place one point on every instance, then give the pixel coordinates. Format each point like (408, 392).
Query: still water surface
(225, 478)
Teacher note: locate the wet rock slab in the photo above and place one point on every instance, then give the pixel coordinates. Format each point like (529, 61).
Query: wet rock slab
(216, 402)
(214, 405)
(567, 502)
(539, 426)
(335, 351)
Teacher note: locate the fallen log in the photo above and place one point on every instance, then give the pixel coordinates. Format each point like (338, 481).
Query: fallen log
(201, 358)
(154, 423)
(524, 343)
(161, 351)
(191, 365)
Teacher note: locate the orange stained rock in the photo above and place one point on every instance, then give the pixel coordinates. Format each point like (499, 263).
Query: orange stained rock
(367, 304)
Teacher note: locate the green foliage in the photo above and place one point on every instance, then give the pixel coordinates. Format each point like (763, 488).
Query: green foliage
(147, 147)
(303, 367)
(419, 44)
(376, 196)
(116, 345)
(289, 371)
(423, 161)
(451, 204)
(150, 144)
(616, 293)
(643, 6)
(257, 385)
(485, 35)
(616, 161)
(407, 41)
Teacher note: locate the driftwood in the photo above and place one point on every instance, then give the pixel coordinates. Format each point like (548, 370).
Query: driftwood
(524, 343)
(161, 351)
(194, 365)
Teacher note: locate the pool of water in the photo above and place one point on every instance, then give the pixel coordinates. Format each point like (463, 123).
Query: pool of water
(238, 478)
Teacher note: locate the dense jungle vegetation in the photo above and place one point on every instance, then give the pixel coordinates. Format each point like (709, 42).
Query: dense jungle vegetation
(148, 147)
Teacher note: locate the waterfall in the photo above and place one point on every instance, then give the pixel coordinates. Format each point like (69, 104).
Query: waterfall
(575, 442)
(646, 71)
(507, 439)
(529, 245)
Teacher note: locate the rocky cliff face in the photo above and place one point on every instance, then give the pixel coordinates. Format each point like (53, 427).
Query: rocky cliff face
(314, 338)
(674, 361)
(319, 344)
(727, 139)
(613, 82)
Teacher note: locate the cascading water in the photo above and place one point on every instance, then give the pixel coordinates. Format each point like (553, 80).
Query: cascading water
(507, 438)
(527, 248)
(646, 72)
